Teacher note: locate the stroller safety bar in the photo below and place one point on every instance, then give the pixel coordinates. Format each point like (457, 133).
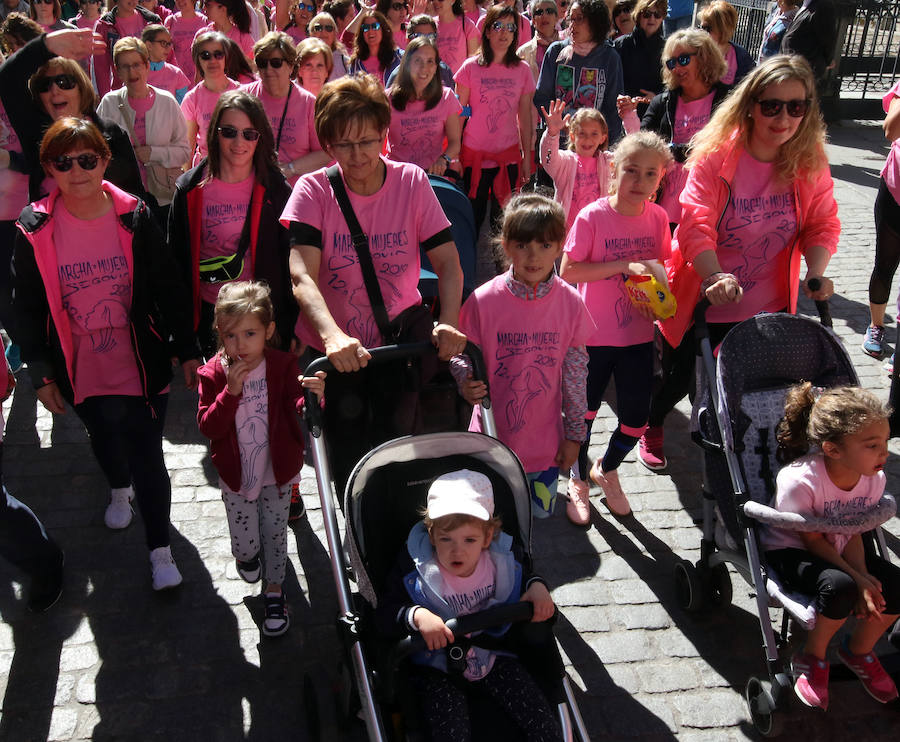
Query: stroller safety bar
(881, 512)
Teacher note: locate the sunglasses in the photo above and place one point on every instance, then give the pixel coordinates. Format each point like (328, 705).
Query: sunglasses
(540, 11)
(375, 26)
(652, 14)
(705, 27)
(307, 8)
(275, 63)
(231, 132)
(217, 54)
(682, 60)
(63, 82)
(85, 162)
(416, 35)
(165, 43)
(771, 107)
(399, 6)
(500, 26)
(327, 27)
(42, 2)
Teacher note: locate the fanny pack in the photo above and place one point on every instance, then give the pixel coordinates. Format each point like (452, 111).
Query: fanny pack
(223, 268)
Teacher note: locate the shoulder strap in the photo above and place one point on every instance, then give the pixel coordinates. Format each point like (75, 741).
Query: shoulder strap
(361, 245)
(283, 116)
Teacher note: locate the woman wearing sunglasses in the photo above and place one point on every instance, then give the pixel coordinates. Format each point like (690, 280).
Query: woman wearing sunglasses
(324, 27)
(523, 21)
(299, 16)
(223, 225)
(127, 18)
(397, 13)
(48, 13)
(641, 51)
(210, 57)
(495, 89)
(759, 196)
(719, 19)
(290, 108)
(544, 19)
(97, 295)
(457, 36)
(374, 50)
(183, 26)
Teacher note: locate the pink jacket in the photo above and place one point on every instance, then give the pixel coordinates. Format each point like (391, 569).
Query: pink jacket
(704, 200)
(561, 165)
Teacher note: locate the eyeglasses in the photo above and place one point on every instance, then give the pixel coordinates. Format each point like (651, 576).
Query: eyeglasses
(231, 132)
(771, 107)
(366, 145)
(275, 62)
(374, 26)
(217, 54)
(682, 60)
(327, 27)
(652, 14)
(540, 11)
(63, 82)
(164, 43)
(85, 161)
(307, 8)
(399, 6)
(500, 26)
(129, 67)
(417, 34)
(705, 27)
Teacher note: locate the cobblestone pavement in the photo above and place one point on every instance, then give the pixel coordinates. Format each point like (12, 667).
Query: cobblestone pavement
(114, 661)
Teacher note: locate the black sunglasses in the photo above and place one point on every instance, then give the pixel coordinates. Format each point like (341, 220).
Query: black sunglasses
(652, 14)
(540, 11)
(85, 162)
(705, 27)
(231, 132)
(771, 107)
(275, 62)
(682, 60)
(217, 54)
(323, 27)
(63, 82)
(42, 2)
(417, 34)
(399, 6)
(374, 26)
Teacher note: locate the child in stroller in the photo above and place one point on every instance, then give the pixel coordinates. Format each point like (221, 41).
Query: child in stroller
(458, 561)
(839, 482)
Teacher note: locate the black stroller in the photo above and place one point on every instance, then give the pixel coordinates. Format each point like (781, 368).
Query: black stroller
(383, 495)
(738, 406)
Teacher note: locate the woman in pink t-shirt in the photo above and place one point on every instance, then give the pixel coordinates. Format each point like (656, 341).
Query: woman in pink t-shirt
(231, 18)
(374, 50)
(457, 37)
(184, 26)
(397, 13)
(423, 112)
(88, 14)
(719, 19)
(324, 27)
(301, 14)
(759, 197)
(48, 13)
(495, 89)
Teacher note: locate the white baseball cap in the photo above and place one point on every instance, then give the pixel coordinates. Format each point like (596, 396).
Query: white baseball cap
(462, 492)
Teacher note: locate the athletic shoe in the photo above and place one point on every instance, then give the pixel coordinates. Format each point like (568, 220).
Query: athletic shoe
(868, 669)
(46, 587)
(810, 680)
(889, 365)
(873, 342)
(250, 570)
(164, 570)
(650, 449)
(616, 500)
(578, 509)
(277, 620)
(118, 512)
(298, 509)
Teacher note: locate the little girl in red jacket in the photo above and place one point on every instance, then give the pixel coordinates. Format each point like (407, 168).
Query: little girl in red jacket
(250, 397)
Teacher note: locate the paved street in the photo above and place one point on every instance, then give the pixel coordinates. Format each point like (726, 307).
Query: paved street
(114, 661)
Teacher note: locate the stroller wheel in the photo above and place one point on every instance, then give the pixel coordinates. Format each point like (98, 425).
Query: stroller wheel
(719, 586)
(688, 586)
(767, 720)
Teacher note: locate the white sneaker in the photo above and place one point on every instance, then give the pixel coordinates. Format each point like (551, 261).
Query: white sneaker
(165, 571)
(119, 512)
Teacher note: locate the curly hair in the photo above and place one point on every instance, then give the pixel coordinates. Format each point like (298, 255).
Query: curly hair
(711, 65)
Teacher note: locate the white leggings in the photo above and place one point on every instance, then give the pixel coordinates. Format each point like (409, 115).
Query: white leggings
(263, 521)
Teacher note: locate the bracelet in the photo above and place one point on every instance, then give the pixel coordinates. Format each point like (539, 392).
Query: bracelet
(447, 159)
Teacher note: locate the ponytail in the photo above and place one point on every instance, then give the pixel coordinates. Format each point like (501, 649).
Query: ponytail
(792, 435)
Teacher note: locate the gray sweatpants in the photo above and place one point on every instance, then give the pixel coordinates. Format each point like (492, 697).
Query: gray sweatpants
(263, 521)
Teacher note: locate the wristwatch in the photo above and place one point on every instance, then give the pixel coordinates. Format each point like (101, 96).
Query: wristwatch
(444, 155)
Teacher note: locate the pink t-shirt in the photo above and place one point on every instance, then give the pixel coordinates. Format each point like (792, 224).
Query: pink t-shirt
(400, 40)
(198, 106)
(224, 211)
(170, 78)
(494, 98)
(452, 40)
(243, 40)
(400, 216)
(298, 135)
(416, 135)
(601, 234)
(140, 106)
(891, 170)
(586, 188)
(804, 487)
(760, 221)
(182, 30)
(95, 280)
(524, 343)
(296, 33)
(731, 72)
(130, 26)
(13, 185)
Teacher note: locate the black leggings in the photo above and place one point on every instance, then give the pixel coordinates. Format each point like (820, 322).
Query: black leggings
(485, 192)
(835, 590)
(887, 245)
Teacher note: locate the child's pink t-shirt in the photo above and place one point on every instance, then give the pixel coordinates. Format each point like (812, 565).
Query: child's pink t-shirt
(585, 189)
(224, 211)
(524, 343)
(601, 234)
(452, 40)
(400, 216)
(13, 185)
(198, 106)
(760, 221)
(183, 30)
(494, 98)
(95, 281)
(731, 61)
(804, 487)
(298, 135)
(416, 135)
(169, 78)
(891, 170)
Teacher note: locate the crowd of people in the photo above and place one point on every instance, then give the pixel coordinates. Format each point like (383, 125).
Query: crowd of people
(241, 184)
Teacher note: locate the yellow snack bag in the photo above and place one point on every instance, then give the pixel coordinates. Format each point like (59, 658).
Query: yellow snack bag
(650, 292)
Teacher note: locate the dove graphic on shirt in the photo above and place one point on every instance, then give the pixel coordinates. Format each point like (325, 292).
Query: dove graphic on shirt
(529, 383)
(257, 429)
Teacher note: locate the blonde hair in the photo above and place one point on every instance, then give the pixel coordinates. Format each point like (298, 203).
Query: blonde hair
(829, 417)
(721, 17)
(578, 119)
(131, 44)
(803, 155)
(641, 5)
(237, 299)
(640, 141)
(711, 65)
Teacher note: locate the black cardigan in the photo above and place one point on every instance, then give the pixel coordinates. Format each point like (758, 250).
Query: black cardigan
(641, 61)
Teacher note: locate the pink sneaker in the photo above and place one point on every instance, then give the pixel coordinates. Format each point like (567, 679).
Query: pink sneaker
(868, 669)
(616, 500)
(650, 449)
(810, 680)
(578, 509)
